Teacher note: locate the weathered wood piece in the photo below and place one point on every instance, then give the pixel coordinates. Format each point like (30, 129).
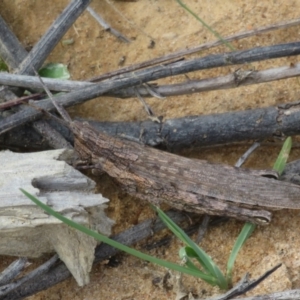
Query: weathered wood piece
(25, 230)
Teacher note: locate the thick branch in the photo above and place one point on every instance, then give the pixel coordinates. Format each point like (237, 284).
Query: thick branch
(193, 131)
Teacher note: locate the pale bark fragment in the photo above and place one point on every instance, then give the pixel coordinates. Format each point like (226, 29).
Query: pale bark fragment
(26, 230)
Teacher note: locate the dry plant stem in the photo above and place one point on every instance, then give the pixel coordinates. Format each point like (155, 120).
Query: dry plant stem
(107, 27)
(19, 101)
(59, 27)
(202, 229)
(234, 80)
(12, 271)
(137, 78)
(202, 47)
(245, 156)
(4, 290)
(103, 252)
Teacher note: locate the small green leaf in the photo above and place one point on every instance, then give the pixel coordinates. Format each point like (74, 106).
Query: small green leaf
(283, 156)
(55, 70)
(243, 236)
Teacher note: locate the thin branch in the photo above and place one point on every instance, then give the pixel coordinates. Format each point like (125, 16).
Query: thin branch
(184, 52)
(202, 229)
(12, 271)
(245, 156)
(137, 78)
(237, 79)
(107, 27)
(18, 101)
(32, 82)
(245, 285)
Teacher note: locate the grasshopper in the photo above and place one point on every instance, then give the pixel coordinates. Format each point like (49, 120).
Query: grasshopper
(186, 184)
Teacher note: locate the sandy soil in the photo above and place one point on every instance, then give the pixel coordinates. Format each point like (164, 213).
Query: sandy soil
(95, 51)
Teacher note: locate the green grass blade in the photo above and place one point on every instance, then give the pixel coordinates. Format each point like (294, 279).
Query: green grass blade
(217, 35)
(184, 255)
(207, 263)
(248, 227)
(120, 246)
(283, 156)
(243, 236)
(190, 253)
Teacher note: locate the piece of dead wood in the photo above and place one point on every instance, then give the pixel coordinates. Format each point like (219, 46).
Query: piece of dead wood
(28, 231)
